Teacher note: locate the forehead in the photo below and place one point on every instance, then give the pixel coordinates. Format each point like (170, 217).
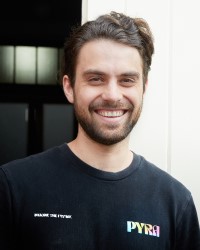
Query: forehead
(107, 54)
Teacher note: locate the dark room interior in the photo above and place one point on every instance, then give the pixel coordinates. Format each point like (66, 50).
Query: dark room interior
(35, 114)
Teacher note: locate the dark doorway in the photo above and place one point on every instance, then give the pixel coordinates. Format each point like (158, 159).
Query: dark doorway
(34, 113)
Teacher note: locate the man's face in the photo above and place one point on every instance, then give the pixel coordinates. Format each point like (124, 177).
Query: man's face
(108, 90)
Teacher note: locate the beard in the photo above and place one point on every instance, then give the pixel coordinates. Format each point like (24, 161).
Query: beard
(112, 133)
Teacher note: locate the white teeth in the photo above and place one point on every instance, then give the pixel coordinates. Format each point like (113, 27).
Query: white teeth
(111, 113)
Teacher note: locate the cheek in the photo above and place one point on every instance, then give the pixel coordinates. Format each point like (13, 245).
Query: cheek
(135, 96)
(84, 96)
(81, 100)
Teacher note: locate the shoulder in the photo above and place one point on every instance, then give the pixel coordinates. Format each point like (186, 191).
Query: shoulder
(163, 182)
(170, 194)
(35, 162)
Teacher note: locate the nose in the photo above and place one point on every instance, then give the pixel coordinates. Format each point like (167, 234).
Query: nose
(112, 92)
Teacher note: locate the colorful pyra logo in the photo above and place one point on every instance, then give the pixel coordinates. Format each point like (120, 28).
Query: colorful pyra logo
(143, 228)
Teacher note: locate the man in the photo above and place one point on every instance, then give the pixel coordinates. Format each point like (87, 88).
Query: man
(94, 193)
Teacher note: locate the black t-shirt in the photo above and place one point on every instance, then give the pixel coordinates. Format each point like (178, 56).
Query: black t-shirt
(53, 200)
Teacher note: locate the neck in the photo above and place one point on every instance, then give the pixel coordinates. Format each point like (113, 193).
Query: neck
(112, 158)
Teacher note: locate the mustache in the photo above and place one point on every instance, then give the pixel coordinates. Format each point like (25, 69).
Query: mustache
(111, 105)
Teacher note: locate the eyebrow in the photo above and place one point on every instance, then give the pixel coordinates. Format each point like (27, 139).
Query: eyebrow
(131, 74)
(93, 72)
(125, 74)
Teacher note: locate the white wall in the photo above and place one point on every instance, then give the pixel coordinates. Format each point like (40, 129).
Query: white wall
(185, 95)
(168, 133)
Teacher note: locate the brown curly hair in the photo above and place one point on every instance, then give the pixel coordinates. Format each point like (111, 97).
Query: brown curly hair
(133, 32)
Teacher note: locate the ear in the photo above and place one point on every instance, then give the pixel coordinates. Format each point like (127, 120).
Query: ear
(145, 86)
(68, 90)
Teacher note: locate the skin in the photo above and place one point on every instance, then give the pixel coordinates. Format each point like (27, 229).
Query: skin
(107, 97)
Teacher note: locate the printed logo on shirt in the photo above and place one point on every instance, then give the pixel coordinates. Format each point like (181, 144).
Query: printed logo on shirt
(51, 215)
(143, 228)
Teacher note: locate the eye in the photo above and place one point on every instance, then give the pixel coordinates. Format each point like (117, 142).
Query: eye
(127, 81)
(95, 80)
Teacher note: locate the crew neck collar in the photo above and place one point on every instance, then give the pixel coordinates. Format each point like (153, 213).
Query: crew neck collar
(100, 174)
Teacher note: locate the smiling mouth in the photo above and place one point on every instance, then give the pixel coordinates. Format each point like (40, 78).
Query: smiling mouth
(111, 113)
